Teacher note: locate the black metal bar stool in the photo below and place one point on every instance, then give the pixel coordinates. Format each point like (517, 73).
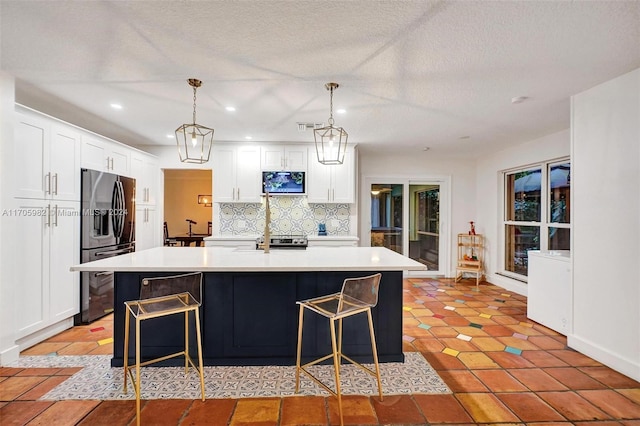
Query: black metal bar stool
(358, 295)
(160, 297)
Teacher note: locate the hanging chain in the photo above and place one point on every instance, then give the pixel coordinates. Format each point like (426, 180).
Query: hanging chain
(331, 106)
(194, 104)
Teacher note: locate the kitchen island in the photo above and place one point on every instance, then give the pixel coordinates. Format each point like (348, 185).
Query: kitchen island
(249, 313)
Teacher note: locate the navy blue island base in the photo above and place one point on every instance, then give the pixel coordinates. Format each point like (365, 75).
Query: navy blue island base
(251, 318)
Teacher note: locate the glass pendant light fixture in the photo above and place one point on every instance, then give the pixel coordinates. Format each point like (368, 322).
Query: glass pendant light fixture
(331, 142)
(194, 141)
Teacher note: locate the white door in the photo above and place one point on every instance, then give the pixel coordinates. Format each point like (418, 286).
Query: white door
(64, 164)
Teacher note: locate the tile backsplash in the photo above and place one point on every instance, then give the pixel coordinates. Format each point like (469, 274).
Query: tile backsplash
(289, 215)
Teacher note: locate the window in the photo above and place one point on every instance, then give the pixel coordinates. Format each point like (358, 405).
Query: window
(536, 214)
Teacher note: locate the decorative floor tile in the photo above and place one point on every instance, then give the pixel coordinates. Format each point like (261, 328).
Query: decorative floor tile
(485, 315)
(98, 380)
(513, 350)
(450, 351)
(424, 326)
(464, 337)
(450, 308)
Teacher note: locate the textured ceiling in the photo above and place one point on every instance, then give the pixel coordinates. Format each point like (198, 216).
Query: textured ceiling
(412, 74)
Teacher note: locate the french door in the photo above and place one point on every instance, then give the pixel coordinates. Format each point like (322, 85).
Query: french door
(410, 217)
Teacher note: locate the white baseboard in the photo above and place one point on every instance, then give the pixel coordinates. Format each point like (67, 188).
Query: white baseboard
(40, 335)
(628, 367)
(508, 283)
(9, 355)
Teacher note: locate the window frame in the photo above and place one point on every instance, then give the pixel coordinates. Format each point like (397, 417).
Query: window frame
(545, 211)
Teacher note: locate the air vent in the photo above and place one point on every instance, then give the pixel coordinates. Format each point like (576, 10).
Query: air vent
(303, 127)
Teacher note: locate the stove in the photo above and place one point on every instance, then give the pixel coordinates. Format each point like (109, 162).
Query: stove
(284, 242)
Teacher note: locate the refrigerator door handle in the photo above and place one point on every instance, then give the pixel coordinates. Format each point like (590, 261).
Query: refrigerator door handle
(121, 209)
(113, 252)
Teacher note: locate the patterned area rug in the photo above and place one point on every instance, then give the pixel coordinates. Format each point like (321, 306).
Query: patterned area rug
(98, 380)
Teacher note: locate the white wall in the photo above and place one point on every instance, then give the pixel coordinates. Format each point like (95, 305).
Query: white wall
(419, 166)
(8, 349)
(606, 223)
(489, 195)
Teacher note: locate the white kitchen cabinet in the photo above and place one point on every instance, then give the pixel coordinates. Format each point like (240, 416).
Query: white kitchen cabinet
(147, 228)
(331, 183)
(236, 174)
(103, 155)
(48, 246)
(549, 289)
(284, 157)
(47, 158)
(144, 169)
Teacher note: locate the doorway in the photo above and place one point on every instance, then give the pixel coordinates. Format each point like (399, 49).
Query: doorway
(408, 217)
(187, 201)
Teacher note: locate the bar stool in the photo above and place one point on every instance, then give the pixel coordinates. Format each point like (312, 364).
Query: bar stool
(160, 297)
(358, 295)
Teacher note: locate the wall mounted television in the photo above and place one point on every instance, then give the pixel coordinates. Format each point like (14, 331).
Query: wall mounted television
(283, 182)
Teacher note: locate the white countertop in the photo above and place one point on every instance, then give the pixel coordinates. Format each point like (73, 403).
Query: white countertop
(225, 259)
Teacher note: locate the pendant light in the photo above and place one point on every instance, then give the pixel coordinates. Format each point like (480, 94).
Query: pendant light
(194, 141)
(331, 142)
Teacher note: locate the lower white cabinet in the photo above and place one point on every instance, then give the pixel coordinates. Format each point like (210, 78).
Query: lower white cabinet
(549, 289)
(147, 228)
(47, 292)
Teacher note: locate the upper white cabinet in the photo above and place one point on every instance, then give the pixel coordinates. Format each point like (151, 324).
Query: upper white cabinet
(284, 157)
(144, 169)
(331, 184)
(103, 155)
(236, 174)
(47, 159)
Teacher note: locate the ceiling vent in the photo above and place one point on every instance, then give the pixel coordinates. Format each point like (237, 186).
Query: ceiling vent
(303, 127)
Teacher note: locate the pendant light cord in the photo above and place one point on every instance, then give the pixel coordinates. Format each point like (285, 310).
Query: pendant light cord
(194, 104)
(331, 106)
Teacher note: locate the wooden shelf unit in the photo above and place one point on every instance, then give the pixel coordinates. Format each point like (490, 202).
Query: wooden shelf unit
(470, 256)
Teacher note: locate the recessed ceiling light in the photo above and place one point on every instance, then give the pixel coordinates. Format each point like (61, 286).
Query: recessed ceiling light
(230, 108)
(116, 106)
(518, 99)
(341, 111)
(248, 137)
(170, 136)
(426, 148)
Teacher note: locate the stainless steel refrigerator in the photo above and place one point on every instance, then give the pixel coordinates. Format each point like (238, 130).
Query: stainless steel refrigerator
(107, 230)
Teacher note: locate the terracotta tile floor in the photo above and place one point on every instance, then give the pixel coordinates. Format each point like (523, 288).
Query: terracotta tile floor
(501, 367)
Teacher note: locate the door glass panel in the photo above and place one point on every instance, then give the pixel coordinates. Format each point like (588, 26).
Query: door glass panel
(424, 220)
(386, 216)
(519, 240)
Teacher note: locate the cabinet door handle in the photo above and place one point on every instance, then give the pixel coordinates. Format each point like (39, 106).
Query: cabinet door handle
(333, 194)
(238, 194)
(148, 196)
(107, 163)
(55, 184)
(55, 215)
(47, 183)
(111, 163)
(47, 222)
